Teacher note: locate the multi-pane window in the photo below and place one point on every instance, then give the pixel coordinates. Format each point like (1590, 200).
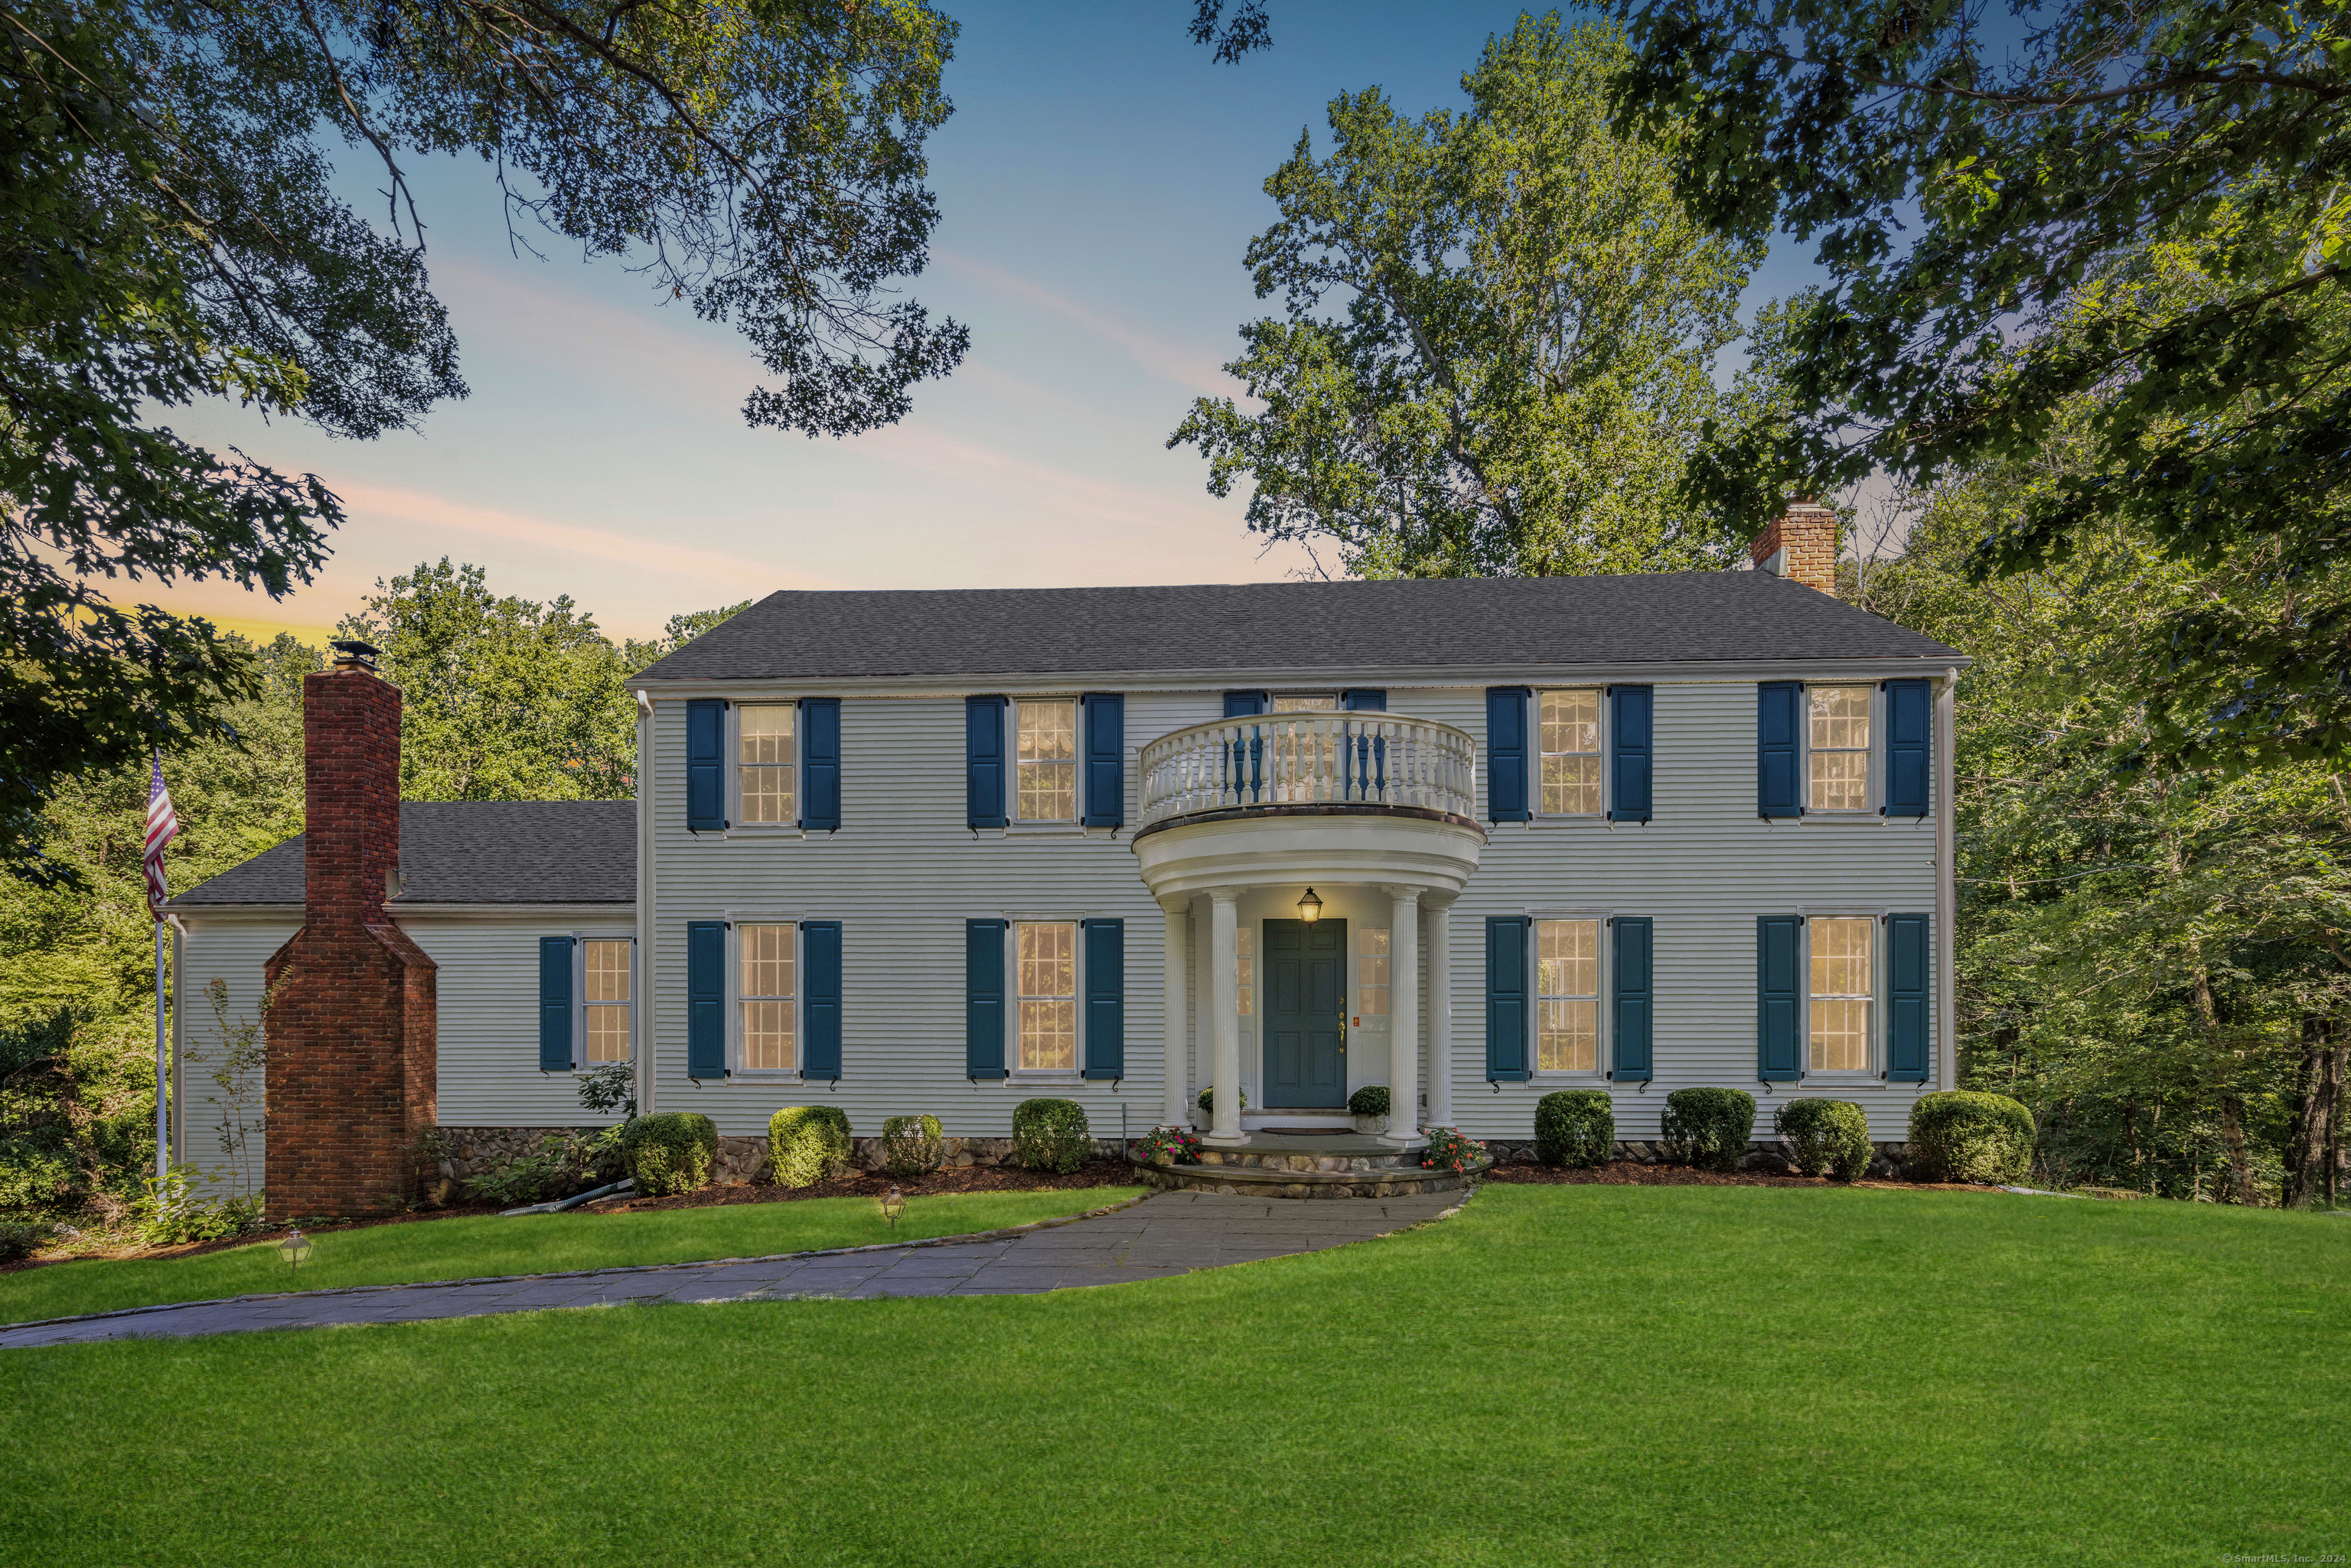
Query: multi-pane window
(1567, 996)
(1843, 981)
(1371, 971)
(1838, 745)
(607, 1024)
(1047, 959)
(764, 762)
(1305, 704)
(1047, 760)
(1245, 968)
(1570, 752)
(766, 990)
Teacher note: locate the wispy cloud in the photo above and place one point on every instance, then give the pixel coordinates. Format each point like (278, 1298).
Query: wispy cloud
(1181, 363)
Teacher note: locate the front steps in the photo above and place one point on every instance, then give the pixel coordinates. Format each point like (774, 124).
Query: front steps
(1341, 1165)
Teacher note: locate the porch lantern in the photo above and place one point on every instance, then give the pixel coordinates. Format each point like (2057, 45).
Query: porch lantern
(295, 1249)
(1309, 908)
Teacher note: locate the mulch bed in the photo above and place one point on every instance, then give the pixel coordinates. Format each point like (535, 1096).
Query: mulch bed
(1632, 1173)
(275, 1233)
(873, 1184)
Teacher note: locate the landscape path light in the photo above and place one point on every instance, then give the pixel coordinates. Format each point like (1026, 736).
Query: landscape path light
(295, 1249)
(893, 1207)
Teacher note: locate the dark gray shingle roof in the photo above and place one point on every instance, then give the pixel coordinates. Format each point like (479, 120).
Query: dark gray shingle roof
(471, 851)
(1669, 618)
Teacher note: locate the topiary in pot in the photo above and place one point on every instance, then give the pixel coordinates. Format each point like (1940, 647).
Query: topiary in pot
(1961, 1135)
(1369, 1107)
(1830, 1137)
(912, 1145)
(1708, 1128)
(1575, 1127)
(670, 1152)
(1208, 1101)
(1051, 1136)
(807, 1144)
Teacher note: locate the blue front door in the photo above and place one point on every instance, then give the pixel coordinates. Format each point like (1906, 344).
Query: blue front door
(1305, 994)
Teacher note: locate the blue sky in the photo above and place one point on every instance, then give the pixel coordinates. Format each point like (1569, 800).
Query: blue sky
(1100, 179)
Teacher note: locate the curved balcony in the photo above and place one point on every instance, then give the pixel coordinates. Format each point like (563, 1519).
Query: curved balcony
(1302, 763)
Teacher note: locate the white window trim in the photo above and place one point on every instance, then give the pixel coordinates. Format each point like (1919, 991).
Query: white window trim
(579, 1003)
(1014, 1073)
(1873, 765)
(1604, 1043)
(1875, 1072)
(1534, 780)
(1017, 825)
(734, 1068)
(735, 826)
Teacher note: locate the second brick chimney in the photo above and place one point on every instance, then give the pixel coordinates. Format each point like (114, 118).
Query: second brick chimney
(352, 1061)
(1801, 543)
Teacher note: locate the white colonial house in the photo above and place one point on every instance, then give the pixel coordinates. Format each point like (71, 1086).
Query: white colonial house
(945, 850)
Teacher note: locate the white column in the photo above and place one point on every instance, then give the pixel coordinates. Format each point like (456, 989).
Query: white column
(1178, 948)
(1225, 1124)
(1404, 1015)
(1204, 1003)
(1437, 931)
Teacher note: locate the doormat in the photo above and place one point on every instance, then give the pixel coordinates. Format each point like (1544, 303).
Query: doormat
(1301, 1132)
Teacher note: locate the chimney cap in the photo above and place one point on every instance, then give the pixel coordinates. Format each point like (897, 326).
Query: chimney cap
(350, 651)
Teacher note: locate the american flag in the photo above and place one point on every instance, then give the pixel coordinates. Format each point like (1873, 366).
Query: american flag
(162, 827)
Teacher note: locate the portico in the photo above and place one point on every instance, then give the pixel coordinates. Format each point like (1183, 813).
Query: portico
(1375, 813)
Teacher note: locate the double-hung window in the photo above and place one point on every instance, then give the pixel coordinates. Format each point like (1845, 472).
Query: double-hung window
(1299, 703)
(766, 771)
(1045, 968)
(1567, 996)
(604, 1029)
(1841, 994)
(1569, 737)
(1371, 971)
(1045, 760)
(766, 997)
(1836, 747)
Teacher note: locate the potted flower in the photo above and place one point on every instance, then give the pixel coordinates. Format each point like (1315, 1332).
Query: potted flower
(1369, 1107)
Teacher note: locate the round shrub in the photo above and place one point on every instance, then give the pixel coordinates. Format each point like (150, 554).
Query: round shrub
(807, 1144)
(912, 1145)
(1051, 1136)
(1708, 1128)
(1208, 1101)
(1575, 1127)
(19, 1241)
(670, 1153)
(1830, 1137)
(1961, 1135)
(1371, 1100)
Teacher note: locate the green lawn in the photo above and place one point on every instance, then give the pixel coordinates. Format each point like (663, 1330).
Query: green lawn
(1562, 1374)
(529, 1244)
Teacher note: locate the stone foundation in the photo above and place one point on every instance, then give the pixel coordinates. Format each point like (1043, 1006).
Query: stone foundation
(1247, 1181)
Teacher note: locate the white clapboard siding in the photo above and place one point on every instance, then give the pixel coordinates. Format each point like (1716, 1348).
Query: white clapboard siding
(230, 949)
(903, 874)
(487, 1034)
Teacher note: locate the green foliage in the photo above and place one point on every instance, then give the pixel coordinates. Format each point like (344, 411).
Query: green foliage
(609, 1088)
(1575, 1127)
(1371, 1100)
(807, 1143)
(1166, 1146)
(1448, 1150)
(912, 1144)
(1208, 1101)
(1963, 1135)
(1499, 328)
(556, 1164)
(20, 1239)
(171, 1212)
(1830, 1137)
(670, 1153)
(1708, 1128)
(1051, 1136)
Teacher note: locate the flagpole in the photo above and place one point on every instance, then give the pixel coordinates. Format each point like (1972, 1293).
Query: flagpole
(162, 1071)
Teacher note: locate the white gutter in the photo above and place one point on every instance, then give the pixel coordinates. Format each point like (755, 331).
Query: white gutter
(1947, 886)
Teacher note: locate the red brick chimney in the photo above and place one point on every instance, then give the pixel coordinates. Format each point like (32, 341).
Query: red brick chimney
(352, 1063)
(1801, 543)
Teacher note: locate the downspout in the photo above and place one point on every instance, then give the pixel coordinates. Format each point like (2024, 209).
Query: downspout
(642, 1041)
(1947, 886)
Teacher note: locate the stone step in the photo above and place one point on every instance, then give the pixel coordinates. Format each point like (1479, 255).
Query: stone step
(1259, 1181)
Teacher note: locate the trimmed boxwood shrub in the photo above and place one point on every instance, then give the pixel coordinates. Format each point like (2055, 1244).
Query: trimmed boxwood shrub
(1575, 1127)
(1208, 1101)
(1708, 1128)
(670, 1153)
(1051, 1136)
(1961, 1135)
(1371, 1100)
(807, 1144)
(912, 1145)
(1830, 1137)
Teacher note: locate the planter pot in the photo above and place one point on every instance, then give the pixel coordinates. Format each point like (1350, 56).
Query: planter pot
(1375, 1125)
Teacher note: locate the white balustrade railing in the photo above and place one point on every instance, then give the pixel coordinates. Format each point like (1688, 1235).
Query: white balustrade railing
(1311, 759)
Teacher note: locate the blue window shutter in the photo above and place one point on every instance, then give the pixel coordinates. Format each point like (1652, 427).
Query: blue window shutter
(705, 999)
(1633, 1004)
(1779, 711)
(1105, 805)
(555, 1004)
(1506, 753)
(1105, 999)
(983, 998)
(821, 998)
(820, 764)
(1907, 969)
(1779, 964)
(1910, 727)
(1629, 713)
(1505, 997)
(1363, 700)
(1243, 705)
(706, 764)
(983, 759)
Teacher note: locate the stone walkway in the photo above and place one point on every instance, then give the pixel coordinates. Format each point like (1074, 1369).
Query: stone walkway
(1166, 1234)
